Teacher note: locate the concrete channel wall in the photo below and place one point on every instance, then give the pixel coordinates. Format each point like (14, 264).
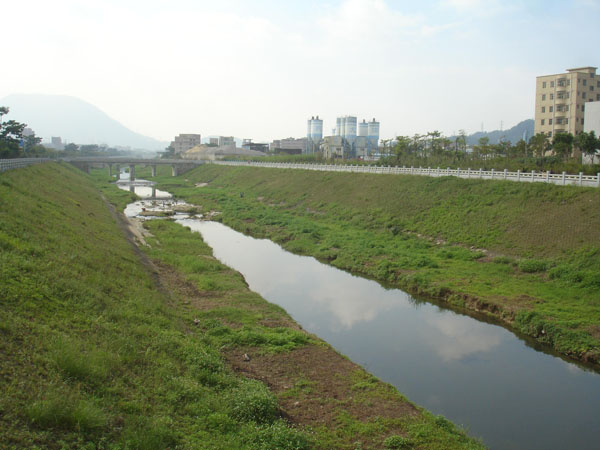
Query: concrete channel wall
(7, 164)
(562, 179)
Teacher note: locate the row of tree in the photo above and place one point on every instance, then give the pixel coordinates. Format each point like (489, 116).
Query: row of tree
(434, 146)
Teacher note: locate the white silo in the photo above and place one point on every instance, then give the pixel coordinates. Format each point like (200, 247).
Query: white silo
(316, 129)
(309, 127)
(363, 128)
(373, 134)
(350, 128)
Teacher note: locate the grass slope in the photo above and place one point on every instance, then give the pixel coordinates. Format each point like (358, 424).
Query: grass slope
(94, 355)
(539, 272)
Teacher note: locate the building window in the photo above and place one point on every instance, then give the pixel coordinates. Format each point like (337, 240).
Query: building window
(549, 133)
(543, 109)
(566, 120)
(549, 121)
(559, 120)
(552, 84)
(592, 88)
(585, 82)
(551, 96)
(583, 95)
(543, 121)
(598, 84)
(551, 109)
(598, 97)
(582, 121)
(543, 97)
(543, 85)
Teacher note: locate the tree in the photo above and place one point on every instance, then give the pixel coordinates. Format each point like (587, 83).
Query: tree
(587, 143)
(562, 144)
(11, 133)
(539, 144)
(482, 149)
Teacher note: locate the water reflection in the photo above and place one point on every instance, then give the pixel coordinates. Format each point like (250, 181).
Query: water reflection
(476, 374)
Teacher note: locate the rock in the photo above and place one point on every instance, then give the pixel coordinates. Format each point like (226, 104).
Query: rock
(246, 357)
(196, 321)
(296, 404)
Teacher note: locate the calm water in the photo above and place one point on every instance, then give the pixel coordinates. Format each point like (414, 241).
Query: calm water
(476, 374)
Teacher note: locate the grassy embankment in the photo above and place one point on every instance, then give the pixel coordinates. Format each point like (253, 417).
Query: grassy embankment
(100, 352)
(526, 254)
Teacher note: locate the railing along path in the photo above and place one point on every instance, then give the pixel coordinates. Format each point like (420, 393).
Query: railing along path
(533, 176)
(7, 164)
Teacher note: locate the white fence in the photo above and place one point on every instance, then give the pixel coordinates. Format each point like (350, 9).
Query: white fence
(530, 177)
(7, 164)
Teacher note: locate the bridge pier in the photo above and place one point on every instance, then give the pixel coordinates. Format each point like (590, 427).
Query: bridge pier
(109, 170)
(118, 170)
(132, 188)
(153, 192)
(131, 172)
(153, 171)
(175, 171)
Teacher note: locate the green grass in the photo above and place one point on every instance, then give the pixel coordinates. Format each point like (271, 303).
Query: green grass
(540, 272)
(95, 356)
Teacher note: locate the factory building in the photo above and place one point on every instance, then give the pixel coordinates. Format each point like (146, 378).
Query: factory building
(364, 144)
(289, 146)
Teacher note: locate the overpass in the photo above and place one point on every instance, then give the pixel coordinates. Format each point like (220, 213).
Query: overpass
(178, 166)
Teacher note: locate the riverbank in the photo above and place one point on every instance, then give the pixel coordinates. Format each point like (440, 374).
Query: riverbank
(105, 346)
(524, 254)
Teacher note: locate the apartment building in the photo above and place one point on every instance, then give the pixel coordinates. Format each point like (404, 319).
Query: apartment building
(184, 142)
(560, 100)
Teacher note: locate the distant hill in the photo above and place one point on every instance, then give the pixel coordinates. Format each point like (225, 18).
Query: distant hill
(523, 130)
(74, 120)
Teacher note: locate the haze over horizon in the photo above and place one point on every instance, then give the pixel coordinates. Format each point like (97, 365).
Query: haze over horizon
(260, 69)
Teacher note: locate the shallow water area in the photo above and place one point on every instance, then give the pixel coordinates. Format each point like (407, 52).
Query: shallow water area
(499, 386)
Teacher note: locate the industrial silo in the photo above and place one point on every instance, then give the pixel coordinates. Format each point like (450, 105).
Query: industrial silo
(363, 128)
(350, 123)
(316, 129)
(373, 135)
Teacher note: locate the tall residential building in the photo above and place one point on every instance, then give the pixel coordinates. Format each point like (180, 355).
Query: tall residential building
(560, 100)
(184, 142)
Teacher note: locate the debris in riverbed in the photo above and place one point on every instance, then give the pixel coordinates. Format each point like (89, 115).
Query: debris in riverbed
(246, 357)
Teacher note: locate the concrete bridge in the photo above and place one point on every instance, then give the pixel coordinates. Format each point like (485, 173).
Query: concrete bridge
(178, 166)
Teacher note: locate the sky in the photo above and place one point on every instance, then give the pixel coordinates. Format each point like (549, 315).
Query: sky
(259, 69)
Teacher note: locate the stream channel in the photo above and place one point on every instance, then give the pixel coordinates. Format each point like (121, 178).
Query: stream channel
(502, 388)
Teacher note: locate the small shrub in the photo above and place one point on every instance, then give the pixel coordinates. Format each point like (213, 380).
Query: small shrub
(532, 265)
(65, 410)
(280, 436)
(396, 441)
(252, 402)
(503, 260)
(76, 364)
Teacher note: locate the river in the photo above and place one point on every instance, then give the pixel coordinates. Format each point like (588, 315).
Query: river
(477, 374)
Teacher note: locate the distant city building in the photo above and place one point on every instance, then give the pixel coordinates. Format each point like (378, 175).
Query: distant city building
(213, 141)
(206, 152)
(592, 123)
(290, 146)
(247, 144)
(561, 100)
(184, 142)
(56, 143)
(28, 132)
(226, 141)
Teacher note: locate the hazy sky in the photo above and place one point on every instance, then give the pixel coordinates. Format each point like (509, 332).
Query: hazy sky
(260, 68)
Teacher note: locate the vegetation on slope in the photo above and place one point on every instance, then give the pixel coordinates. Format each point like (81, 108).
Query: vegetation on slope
(99, 352)
(526, 253)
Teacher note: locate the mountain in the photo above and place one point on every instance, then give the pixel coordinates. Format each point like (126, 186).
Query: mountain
(523, 130)
(74, 120)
